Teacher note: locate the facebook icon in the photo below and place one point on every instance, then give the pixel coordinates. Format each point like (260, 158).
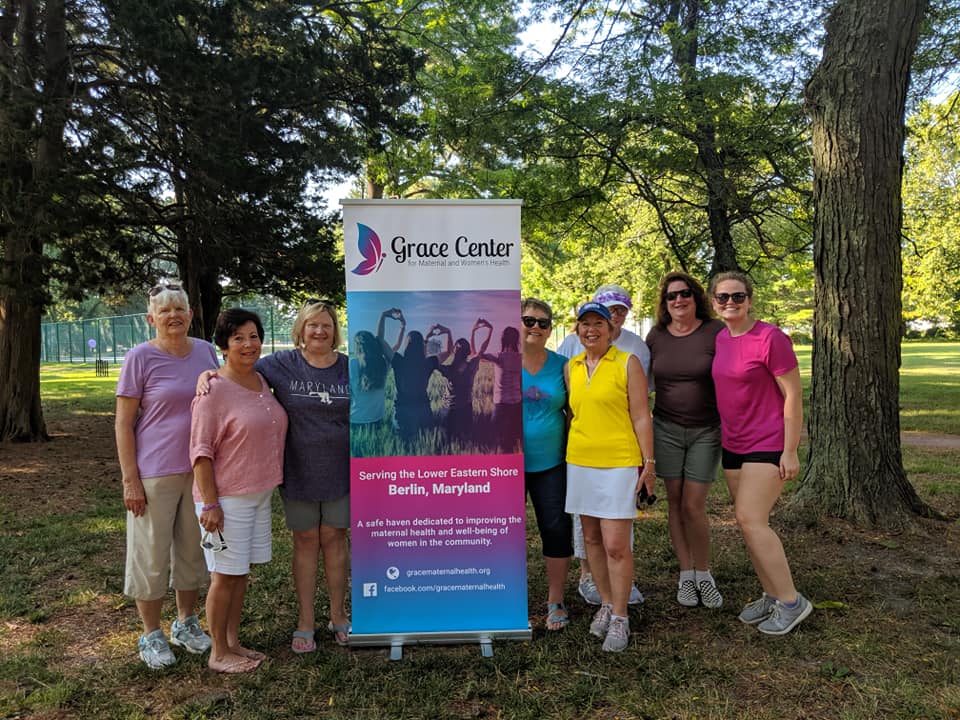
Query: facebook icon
(370, 589)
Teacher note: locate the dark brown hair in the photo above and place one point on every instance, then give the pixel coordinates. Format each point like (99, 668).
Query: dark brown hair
(699, 297)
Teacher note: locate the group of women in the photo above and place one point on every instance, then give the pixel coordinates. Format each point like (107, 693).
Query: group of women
(198, 441)
(727, 392)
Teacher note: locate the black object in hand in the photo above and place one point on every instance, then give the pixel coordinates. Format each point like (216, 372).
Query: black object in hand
(643, 498)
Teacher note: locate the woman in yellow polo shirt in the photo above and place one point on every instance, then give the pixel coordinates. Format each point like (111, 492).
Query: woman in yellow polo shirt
(611, 435)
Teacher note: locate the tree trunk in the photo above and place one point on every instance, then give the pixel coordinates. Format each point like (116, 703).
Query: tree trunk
(28, 193)
(856, 99)
(686, 52)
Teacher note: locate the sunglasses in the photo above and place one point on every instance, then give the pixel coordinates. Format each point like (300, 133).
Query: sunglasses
(529, 321)
(213, 544)
(644, 498)
(738, 298)
(318, 301)
(157, 289)
(618, 310)
(674, 294)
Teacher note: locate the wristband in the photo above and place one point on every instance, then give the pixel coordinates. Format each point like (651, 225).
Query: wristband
(207, 508)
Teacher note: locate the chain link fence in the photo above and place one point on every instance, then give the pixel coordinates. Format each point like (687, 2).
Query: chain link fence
(107, 339)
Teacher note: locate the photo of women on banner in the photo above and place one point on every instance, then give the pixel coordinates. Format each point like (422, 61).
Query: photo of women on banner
(438, 514)
(439, 396)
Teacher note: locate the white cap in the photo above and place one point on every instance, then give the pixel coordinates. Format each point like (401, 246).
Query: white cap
(611, 295)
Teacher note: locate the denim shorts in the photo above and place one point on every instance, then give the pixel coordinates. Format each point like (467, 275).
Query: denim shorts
(686, 453)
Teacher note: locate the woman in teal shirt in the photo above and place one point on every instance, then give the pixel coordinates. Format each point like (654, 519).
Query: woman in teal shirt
(544, 434)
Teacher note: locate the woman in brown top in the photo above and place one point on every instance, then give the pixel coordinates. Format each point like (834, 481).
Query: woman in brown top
(686, 427)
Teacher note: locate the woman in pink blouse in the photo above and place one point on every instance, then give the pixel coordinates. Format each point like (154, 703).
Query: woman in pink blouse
(236, 447)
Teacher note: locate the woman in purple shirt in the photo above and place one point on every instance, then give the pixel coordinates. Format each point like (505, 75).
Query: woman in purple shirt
(153, 439)
(759, 398)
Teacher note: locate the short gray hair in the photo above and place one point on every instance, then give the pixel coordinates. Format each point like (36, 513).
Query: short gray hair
(165, 293)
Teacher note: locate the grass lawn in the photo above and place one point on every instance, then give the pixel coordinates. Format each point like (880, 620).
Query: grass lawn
(884, 641)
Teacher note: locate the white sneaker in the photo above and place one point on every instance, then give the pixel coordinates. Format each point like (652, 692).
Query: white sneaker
(155, 651)
(618, 635)
(636, 597)
(588, 590)
(601, 621)
(189, 636)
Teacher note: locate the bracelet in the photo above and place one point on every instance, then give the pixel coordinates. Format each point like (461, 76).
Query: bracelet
(651, 461)
(207, 508)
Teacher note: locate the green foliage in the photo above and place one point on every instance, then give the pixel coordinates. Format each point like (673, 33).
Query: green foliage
(931, 204)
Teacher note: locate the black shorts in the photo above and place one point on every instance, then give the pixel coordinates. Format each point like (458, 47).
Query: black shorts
(735, 461)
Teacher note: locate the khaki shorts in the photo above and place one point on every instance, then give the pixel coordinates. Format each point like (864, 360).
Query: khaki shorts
(305, 515)
(163, 544)
(686, 453)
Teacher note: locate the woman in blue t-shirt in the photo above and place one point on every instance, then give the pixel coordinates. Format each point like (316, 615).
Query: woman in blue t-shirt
(544, 436)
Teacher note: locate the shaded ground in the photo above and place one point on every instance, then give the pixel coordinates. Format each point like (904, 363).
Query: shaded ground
(874, 568)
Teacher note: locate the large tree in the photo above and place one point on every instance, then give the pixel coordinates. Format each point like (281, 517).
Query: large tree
(33, 114)
(857, 99)
(693, 108)
(177, 137)
(227, 117)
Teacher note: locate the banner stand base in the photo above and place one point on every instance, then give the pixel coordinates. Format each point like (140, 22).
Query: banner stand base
(396, 642)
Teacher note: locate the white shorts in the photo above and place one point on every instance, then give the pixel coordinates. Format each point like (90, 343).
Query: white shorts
(247, 533)
(609, 493)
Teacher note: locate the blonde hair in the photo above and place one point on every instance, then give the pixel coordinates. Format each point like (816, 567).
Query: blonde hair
(734, 275)
(310, 309)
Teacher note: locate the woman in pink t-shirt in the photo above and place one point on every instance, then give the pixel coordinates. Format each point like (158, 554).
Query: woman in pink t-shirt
(236, 446)
(759, 399)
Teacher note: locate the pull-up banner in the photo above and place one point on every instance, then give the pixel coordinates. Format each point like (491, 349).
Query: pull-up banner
(438, 550)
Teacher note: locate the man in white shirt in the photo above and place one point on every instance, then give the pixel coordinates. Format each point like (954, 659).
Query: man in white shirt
(618, 302)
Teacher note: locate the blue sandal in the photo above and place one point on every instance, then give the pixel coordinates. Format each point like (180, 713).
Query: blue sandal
(341, 633)
(557, 615)
(308, 645)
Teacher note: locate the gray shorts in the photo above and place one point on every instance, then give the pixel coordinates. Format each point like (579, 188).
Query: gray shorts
(686, 453)
(309, 514)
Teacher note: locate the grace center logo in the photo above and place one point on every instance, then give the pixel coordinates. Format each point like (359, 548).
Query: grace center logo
(368, 242)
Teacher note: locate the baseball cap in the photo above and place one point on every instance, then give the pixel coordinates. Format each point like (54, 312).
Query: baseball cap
(610, 295)
(593, 307)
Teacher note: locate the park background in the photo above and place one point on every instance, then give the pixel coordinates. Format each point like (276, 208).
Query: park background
(812, 144)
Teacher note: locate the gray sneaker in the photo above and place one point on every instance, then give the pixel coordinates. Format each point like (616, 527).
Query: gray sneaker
(636, 597)
(155, 651)
(618, 635)
(189, 636)
(783, 619)
(588, 590)
(710, 597)
(687, 594)
(601, 621)
(758, 610)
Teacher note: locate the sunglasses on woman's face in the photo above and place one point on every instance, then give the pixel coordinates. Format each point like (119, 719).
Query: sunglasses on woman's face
(739, 298)
(529, 321)
(213, 543)
(674, 294)
(157, 289)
